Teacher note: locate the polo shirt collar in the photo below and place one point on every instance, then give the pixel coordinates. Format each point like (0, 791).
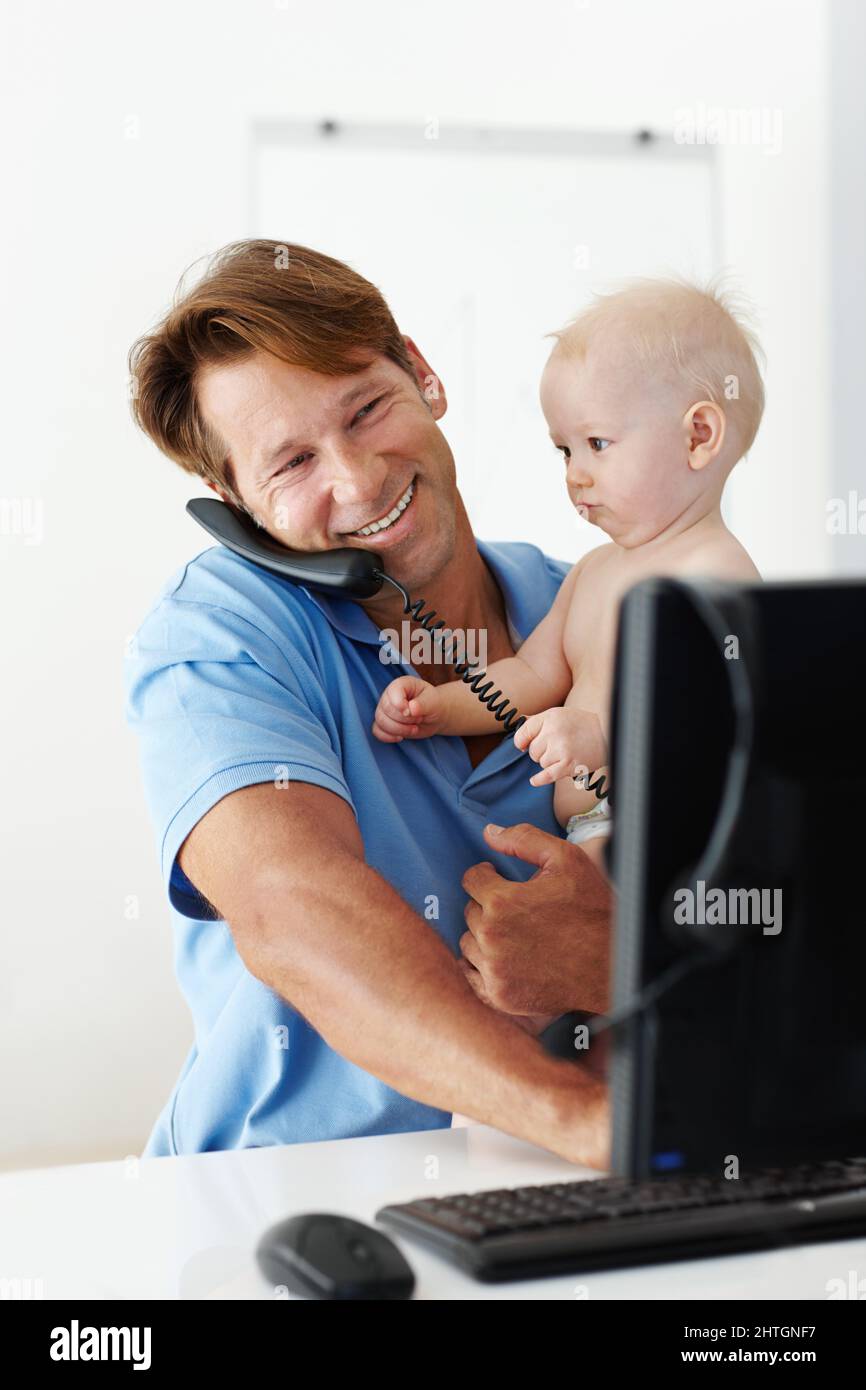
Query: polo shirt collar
(521, 579)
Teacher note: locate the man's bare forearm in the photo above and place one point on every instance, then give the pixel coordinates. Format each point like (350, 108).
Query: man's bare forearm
(286, 870)
(382, 989)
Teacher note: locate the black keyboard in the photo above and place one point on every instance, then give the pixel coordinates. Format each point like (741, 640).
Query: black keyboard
(568, 1227)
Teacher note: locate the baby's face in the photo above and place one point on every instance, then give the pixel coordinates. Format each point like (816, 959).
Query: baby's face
(624, 443)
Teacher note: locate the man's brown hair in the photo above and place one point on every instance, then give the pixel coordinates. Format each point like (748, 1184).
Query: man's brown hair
(301, 306)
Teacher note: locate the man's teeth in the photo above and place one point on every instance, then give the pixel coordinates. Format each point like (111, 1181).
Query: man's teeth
(388, 520)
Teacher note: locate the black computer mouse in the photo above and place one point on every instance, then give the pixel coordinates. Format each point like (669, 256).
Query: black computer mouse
(325, 1256)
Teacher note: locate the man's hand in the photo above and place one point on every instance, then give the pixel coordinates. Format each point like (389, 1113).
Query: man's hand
(533, 1024)
(541, 947)
(408, 708)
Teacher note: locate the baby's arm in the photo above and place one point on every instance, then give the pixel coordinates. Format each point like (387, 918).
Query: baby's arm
(536, 678)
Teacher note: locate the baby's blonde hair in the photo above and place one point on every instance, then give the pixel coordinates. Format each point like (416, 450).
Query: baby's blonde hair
(697, 334)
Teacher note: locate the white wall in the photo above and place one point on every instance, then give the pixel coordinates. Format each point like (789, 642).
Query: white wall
(847, 168)
(101, 216)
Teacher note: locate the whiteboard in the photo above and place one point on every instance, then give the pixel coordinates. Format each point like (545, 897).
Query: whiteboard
(480, 252)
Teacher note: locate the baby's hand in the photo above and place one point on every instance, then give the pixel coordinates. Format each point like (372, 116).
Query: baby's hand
(562, 741)
(408, 708)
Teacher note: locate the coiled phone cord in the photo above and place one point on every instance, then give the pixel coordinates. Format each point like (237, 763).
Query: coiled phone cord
(599, 786)
(509, 716)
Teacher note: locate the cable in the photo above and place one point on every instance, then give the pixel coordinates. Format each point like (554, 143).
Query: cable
(715, 852)
(649, 994)
(743, 702)
(509, 717)
(599, 787)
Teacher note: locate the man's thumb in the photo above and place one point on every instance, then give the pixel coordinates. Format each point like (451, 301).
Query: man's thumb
(524, 841)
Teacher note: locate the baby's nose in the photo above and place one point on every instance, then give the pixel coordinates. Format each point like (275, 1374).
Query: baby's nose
(578, 475)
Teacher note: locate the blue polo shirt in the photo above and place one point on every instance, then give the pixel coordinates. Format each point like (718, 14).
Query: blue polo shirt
(235, 677)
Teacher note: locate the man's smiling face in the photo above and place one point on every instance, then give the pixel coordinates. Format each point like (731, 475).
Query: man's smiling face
(317, 458)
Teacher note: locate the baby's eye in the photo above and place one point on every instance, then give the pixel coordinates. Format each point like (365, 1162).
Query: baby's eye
(597, 445)
(564, 450)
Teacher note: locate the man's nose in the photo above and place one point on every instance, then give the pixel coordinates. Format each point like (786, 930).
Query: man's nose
(354, 476)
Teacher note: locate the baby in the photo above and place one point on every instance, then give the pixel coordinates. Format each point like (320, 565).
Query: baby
(651, 394)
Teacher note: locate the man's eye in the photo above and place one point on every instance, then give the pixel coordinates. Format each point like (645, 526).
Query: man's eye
(365, 409)
(292, 464)
(597, 445)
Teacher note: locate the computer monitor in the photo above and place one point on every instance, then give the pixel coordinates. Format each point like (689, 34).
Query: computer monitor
(738, 765)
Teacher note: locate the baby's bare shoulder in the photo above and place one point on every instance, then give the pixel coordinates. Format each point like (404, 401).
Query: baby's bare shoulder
(594, 562)
(721, 557)
(593, 600)
(587, 576)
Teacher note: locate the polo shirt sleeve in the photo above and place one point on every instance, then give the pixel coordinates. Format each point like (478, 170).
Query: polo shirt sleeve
(218, 704)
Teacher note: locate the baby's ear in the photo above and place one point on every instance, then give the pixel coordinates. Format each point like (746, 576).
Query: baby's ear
(704, 428)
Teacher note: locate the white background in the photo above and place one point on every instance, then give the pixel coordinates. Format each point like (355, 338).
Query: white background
(128, 155)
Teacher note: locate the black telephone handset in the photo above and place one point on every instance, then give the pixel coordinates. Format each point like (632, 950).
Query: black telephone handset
(347, 573)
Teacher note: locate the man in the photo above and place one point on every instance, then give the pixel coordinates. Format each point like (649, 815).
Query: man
(319, 877)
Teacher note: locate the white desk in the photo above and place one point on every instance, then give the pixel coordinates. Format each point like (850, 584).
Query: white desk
(170, 1228)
